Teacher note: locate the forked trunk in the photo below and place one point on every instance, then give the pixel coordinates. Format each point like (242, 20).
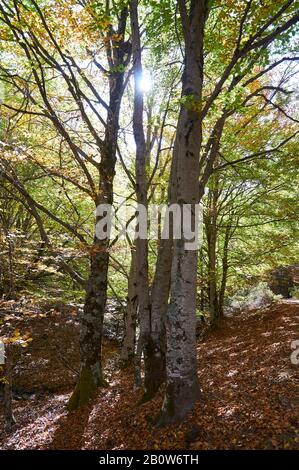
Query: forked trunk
(144, 308)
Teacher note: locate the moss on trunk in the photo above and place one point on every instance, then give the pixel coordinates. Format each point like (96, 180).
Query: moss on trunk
(85, 389)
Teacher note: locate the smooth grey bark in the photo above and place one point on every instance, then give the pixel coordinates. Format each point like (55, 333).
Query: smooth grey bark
(151, 308)
(225, 268)
(160, 294)
(159, 304)
(129, 338)
(144, 308)
(182, 390)
(212, 233)
(202, 288)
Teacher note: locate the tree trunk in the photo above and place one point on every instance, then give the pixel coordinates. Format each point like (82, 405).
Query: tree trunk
(182, 389)
(11, 267)
(156, 372)
(129, 339)
(224, 271)
(9, 284)
(202, 285)
(8, 411)
(144, 308)
(91, 374)
(211, 229)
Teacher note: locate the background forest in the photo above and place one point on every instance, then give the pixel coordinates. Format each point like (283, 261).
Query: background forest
(149, 102)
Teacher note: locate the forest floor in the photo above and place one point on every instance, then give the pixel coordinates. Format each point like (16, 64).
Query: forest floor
(250, 397)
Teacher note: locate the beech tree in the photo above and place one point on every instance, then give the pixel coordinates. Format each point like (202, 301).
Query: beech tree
(182, 383)
(29, 26)
(76, 114)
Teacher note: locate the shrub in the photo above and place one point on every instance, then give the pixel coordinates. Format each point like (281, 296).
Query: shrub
(295, 292)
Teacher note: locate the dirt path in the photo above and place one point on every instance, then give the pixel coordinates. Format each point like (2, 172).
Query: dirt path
(250, 397)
